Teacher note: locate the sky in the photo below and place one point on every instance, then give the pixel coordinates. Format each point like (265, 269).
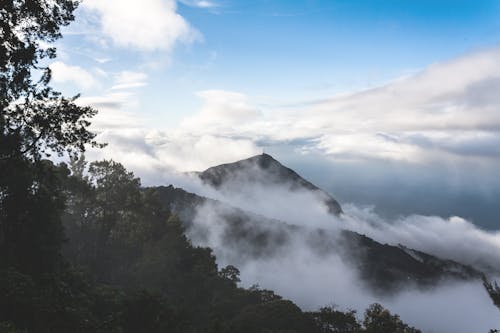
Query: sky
(391, 104)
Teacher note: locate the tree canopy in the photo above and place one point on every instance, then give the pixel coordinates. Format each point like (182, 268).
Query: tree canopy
(34, 118)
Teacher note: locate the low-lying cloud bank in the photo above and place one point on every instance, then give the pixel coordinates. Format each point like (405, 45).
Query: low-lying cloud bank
(453, 238)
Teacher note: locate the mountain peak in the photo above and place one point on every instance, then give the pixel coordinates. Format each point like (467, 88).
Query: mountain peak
(263, 160)
(266, 170)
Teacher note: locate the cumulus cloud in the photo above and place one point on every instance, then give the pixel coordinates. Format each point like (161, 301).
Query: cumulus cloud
(147, 25)
(63, 73)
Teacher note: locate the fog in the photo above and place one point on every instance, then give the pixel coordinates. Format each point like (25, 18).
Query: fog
(453, 238)
(296, 270)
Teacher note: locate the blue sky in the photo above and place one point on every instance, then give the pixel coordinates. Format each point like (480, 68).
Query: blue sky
(296, 50)
(403, 92)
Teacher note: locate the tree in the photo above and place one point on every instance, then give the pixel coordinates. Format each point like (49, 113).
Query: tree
(380, 320)
(35, 121)
(34, 118)
(230, 273)
(330, 320)
(275, 316)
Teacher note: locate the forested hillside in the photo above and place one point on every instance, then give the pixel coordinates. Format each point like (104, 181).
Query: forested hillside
(121, 263)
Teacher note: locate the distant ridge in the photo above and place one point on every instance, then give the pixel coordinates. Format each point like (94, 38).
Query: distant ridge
(264, 169)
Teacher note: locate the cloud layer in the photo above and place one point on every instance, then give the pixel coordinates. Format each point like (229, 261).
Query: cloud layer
(64, 73)
(444, 120)
(147, 25)
(297, 270)
(446, 113)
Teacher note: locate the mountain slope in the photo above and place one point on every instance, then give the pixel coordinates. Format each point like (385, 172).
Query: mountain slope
(248, 236)
(265, 170)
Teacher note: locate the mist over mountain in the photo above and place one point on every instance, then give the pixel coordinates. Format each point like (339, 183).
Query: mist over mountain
(279, 229)
(247, 236)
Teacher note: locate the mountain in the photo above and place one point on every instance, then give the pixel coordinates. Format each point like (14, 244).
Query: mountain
(248, 236)
(265, 170)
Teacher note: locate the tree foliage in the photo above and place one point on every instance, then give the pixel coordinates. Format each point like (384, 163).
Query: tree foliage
(331, 320)
(34, 121)
(34, 118)
(380, 320)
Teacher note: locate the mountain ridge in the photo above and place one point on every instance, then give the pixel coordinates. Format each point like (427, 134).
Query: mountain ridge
(383, 267)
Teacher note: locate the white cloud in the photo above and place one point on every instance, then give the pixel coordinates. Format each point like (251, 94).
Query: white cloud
(115, 111)
(198, 143)
(447, 113)
(200, 3)
(102, 60)
(63, 73)
(129, 79)
(145, 25)
(312, 277)
(118, 105)
(221, 111)
(152, 153)
(445, 108)
(453, 238)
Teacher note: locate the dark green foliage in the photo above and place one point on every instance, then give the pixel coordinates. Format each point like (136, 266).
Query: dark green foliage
(38, 291)
(274, 316)
(7, 327)
(102, 219)
(34, 121)
(230, 273)
(40, 119)
(330, 320)
(380, 320)
(55, 303)
(31, 204)
(147, 312)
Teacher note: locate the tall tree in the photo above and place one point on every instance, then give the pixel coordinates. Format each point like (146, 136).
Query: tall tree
(35, 118)
(35, 121)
